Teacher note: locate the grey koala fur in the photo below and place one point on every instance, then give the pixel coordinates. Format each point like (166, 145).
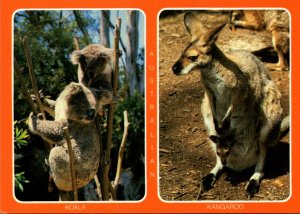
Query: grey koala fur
(76, 107)
(95, 69)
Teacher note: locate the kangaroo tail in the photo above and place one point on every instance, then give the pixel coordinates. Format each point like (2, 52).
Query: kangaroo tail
(284, 127)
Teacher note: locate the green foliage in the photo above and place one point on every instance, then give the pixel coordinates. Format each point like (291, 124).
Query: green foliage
(20, 180)
(135, 106)
(135, 141)
(50, 43)
(20, 136)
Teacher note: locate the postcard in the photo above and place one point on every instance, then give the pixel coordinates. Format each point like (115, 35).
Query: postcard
(149, 107)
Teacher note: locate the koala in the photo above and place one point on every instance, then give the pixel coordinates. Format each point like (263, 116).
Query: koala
(95, 69)
(75, 107)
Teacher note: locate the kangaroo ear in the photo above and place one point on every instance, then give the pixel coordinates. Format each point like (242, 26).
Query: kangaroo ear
(192, 25)
(213, 34)
(214, 138)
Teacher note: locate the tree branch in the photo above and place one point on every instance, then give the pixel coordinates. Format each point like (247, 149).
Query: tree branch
(24, 88)
(81, 26)
(32, 76)
(98, 186)
(72, 165)
(104, 28)
(76, 43)
(121, 149)
(113, 27)
(111, 109)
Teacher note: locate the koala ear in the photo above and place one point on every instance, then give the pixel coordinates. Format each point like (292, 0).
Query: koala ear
(97, 93)
(74, 88)
(77, 57)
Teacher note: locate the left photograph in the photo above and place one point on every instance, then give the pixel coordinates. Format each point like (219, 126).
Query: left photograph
(79, 105)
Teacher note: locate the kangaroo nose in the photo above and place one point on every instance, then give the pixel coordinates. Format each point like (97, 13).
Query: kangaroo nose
(91, 114)
(223, 161)
(177, 68)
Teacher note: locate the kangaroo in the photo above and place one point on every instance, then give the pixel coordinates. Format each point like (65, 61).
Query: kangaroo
(274, 21)
(223, 146)
(239, 95)
(226, 149)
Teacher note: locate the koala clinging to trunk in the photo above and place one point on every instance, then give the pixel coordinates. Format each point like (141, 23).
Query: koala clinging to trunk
(76, 107)
(95, 69)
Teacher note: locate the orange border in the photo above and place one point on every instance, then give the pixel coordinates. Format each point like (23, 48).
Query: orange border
(152, 203)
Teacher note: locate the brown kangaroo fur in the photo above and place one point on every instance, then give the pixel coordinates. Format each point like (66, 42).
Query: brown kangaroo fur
(240, 99)
(274, 21)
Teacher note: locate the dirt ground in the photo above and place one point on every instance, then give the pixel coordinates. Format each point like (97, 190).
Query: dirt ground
(184, 151)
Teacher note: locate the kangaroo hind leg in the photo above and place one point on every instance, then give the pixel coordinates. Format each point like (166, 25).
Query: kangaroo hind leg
(208, 180)
(253, 185)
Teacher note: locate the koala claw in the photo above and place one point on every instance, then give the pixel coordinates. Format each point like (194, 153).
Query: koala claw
(34, 98)
(40, 116)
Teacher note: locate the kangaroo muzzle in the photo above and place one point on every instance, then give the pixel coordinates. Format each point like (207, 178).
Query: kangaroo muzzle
(177, 68)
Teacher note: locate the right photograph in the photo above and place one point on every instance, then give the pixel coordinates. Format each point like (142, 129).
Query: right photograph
(224, 105)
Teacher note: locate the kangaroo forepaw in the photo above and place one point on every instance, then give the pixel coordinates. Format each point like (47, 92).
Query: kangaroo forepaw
(225, 125)
(208, 181)
(252, 188)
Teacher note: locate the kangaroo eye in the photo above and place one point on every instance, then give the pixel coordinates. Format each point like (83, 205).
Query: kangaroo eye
(192, 58)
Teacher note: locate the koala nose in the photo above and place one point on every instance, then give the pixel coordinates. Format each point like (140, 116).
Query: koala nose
(91, 114)
(177, 68)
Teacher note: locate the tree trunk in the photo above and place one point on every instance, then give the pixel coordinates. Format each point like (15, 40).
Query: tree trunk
(104, 27)
(132, 36)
